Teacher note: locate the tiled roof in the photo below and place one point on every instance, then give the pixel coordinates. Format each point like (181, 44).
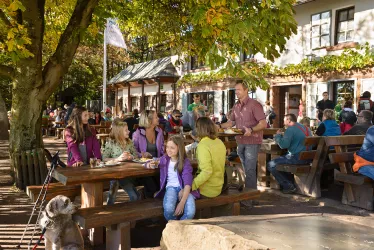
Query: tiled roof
(299, 2)
(148, 70)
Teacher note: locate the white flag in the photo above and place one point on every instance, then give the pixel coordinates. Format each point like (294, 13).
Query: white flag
(113, 34)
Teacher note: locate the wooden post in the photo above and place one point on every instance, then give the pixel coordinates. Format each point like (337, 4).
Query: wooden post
(42, 164)
(118, 237)
(36, 167)
(174, 96)
(129, 108)
(92, 196)
(158, 97)
(116, 108)
(142, 97)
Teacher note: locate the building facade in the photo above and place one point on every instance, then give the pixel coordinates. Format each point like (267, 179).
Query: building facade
(324, 28)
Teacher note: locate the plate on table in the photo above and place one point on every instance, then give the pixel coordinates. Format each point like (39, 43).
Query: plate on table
(111, 163)
(142, 160)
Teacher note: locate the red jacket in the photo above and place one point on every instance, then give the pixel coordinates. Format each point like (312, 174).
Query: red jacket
(173, 124)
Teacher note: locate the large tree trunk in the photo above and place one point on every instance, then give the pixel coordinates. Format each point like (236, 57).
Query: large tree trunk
(33, 84)
(4, 123)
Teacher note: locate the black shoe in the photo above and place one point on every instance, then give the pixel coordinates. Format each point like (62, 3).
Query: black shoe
(289, 191)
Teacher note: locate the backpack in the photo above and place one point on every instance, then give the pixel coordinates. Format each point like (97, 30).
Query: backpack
(365, 104)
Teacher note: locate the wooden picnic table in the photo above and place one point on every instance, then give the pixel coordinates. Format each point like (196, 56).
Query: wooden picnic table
(269, 150)
(102, 138)
(92, 179)
(226, 137)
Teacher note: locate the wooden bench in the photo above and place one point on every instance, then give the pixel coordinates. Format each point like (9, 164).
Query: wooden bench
(55, 189)
(117, 217)
(308, 176)
(358, 189)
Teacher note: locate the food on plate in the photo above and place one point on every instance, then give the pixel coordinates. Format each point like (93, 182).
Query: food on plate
(221, 130)
(143, 159)
(111, 162)
(229, 131)
(237, 130)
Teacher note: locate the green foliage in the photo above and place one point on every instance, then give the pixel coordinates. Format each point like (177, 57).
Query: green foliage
(216, 30)
(256, 73)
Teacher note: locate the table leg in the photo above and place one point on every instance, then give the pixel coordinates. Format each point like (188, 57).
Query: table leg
(92, 196)
(261, 170)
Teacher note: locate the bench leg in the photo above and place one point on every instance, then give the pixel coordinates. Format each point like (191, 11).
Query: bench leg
(363, 196)
(118, 237)
(302, 188)
(236, 208)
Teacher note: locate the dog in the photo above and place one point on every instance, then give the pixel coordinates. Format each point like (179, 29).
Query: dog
(62, 233)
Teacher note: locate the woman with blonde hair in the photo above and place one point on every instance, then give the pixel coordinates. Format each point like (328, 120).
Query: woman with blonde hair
(81, 139)
(149, 143)
(328, 127)
(120, 147)
(211, 157)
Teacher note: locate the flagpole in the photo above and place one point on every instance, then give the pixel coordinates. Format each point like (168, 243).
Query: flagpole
(104, 74)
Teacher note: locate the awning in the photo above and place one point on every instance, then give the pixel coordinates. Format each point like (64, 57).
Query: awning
(148, 70)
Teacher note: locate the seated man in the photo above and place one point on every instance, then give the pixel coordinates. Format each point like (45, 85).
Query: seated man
(364, 158)
(363, 123)
(293, 140)
(174, 124)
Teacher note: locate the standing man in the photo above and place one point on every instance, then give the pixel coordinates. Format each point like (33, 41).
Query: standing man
(196, 103)
(323, 104)
(247, 115)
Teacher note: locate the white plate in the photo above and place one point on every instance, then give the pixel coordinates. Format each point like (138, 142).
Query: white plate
(111, 164)
(138, 161)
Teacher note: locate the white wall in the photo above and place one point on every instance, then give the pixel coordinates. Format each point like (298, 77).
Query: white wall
(299, 45)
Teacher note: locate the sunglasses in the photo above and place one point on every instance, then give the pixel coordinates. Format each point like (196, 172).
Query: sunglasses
(178, 116)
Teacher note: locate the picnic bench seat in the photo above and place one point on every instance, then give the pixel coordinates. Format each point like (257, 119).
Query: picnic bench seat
(307, 176)
(358, 189)
(55, 189)
(117, 217)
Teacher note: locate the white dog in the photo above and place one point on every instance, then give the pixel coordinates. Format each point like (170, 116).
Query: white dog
(61, 231)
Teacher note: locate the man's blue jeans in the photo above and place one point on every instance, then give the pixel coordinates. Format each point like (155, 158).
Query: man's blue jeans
(127, 186)
(367, 171)
(171, 202)
(248, 154)
(281, 177)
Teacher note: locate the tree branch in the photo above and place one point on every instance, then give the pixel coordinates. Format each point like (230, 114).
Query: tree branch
(7, 71)
(59, 63)
(4, 18)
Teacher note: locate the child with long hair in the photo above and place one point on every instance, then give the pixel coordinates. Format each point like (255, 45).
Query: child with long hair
(120, 147)
(176, 181)
(81, 139)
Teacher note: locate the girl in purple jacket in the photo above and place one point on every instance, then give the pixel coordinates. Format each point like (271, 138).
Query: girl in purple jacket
(81, 139)
(176, 181)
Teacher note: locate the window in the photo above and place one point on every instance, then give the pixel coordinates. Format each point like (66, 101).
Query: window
(133, 103)
(196, 63)
(344, 25)
(163, 103)
(320, 30)
(146, 102)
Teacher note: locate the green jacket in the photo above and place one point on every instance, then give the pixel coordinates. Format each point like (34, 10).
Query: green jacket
(211, 157)
(112, 149)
